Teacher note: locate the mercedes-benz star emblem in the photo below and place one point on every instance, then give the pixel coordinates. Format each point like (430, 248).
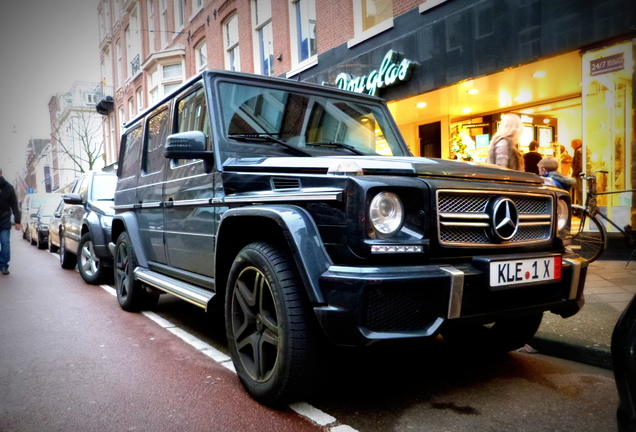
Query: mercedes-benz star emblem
(505, 219)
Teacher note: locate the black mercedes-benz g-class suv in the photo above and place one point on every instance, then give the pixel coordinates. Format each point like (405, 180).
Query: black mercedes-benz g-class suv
(300, 209)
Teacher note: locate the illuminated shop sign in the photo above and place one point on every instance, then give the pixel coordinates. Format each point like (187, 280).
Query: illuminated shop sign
(391, 72)
(608, 64)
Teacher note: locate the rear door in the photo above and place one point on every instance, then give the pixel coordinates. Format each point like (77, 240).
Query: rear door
(151, 184)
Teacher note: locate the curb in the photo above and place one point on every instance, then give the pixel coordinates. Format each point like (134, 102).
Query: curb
(572, 349)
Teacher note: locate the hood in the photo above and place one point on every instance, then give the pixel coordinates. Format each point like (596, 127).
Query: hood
(378, 165)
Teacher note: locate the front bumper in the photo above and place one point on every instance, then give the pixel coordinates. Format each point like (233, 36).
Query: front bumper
(365, 305)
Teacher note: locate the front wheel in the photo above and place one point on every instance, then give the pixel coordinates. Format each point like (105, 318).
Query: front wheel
(588, 244)
(269, 328)
(91, 270)
(500, 337)
(131, 295)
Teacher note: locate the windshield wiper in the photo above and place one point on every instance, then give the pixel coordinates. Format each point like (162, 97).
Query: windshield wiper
(269, 138)
(351, 148)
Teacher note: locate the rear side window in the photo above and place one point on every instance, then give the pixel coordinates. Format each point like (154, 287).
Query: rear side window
(158, 130)
(130, 156)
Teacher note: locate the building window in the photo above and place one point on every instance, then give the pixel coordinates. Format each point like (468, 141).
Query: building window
(133, 44)
(264, 49)
(131, 108)
(140, 99)
(201, 55)
(231, 42)
(375, 12)
(197, 5)
(163, 23)
(163, 80)
(370, 17)
(151, 26)
(119, 65)
(91, 98)
(303, 29)
(178, 14)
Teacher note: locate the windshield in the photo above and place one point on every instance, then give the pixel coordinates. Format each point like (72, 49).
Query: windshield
(39, 200)
(104, 187)
(318, 125)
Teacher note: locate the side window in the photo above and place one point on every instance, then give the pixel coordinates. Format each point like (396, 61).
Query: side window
(77, 186)
(129, 157)
(158, 130)
(192, 114)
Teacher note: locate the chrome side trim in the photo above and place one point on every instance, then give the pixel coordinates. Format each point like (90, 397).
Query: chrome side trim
(470, 224)
(124, 207)
(285, 196)
(185, 291)
(193, 202)
(456, 291)
(152, 205)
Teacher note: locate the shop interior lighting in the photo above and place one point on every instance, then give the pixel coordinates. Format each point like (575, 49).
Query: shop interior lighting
(421, 104)
(472, 91)
(467, 110)
(539, 74)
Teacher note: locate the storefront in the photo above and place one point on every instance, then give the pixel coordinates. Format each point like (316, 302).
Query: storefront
(448, 95)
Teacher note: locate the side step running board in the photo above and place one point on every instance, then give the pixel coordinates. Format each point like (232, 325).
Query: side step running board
(185, 291)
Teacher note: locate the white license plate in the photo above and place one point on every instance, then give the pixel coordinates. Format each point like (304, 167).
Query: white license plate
(515, 272)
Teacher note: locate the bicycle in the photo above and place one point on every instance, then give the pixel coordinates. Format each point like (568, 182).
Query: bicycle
(591, 244)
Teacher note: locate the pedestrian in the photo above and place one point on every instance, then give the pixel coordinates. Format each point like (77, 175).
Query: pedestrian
(566, 161)
(8, 206)
(548, 167)
(532, 158)
(577, 168)
(504, 146)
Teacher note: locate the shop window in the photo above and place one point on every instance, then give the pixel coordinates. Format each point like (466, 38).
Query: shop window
(607, 126)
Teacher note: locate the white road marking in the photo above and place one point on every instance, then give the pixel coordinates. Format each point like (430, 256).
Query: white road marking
(301, 408)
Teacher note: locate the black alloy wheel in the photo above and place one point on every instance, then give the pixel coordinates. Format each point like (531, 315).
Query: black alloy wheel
(271, 335)
(131, 295)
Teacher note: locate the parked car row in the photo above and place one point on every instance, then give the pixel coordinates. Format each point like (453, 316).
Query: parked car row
(77, 225)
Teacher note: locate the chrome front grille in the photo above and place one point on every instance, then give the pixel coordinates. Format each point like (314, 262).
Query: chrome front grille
(464, 218)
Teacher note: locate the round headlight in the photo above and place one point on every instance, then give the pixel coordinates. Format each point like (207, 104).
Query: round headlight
(386, 213)
(563, 213)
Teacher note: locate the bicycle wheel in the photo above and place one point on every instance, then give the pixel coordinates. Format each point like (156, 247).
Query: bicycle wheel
(589, 244)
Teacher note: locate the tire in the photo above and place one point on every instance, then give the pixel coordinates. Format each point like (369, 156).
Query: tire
(271, 333)
(52, 247)
(131, 295)
(91, 270)
(68, 261)
(24, 233)
(40, 244)
(588, 244)
(33, 241)
(503, 336)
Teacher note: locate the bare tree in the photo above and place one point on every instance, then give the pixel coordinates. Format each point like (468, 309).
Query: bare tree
(80, 140)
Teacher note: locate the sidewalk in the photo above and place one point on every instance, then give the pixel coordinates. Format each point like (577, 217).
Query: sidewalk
(586, 337)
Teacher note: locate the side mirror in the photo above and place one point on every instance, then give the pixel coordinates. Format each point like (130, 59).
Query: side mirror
(72, 198)
(187, 145)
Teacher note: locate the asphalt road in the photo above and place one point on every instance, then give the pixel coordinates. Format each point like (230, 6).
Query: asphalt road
(72, 360)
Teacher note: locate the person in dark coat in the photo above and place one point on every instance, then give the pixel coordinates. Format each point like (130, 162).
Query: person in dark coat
(8, 207)
(532, 158)
(577, 168)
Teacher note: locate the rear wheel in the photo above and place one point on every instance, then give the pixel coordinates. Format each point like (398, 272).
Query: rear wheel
(91, 270)
(131, 295)
(588, 244)
(269, 327)
(41, 244)
(499, 337)
(67, 259)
